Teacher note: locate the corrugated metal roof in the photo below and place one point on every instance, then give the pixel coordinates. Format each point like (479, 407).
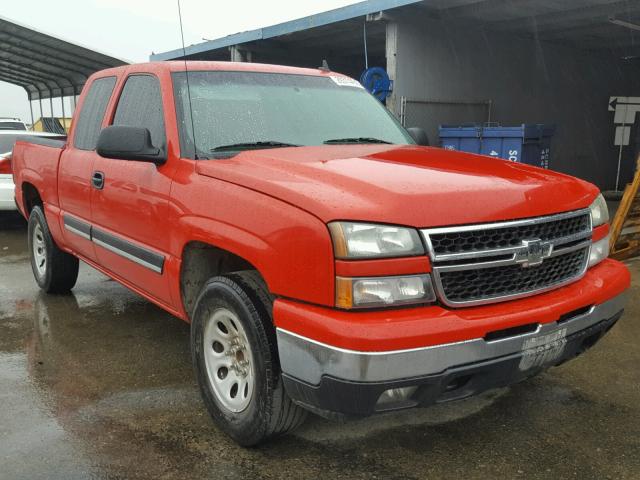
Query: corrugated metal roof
(46, 66)
(609, 25)
(325, 18)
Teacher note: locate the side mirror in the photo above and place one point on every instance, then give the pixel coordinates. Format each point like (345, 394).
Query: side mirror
(419, 136)
(128, 143)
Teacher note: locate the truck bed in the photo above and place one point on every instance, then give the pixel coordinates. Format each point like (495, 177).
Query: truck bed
(35, 161)
(58, 141)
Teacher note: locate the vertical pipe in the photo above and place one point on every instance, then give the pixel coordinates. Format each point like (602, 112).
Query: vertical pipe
(366, 53)
(622, 129)
(51, 104)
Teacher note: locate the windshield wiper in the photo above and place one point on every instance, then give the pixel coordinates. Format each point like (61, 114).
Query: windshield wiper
(251, 146)
(354, 140)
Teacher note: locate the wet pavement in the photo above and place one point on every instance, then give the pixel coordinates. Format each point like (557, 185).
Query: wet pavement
(98, 384)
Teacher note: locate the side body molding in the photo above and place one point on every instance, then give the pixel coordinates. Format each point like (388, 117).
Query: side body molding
(120, 246)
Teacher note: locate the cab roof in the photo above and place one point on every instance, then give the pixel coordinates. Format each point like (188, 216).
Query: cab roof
(196, 65)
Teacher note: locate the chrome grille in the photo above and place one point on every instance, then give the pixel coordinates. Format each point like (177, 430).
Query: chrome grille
(491, 238)
(482, 283)
(479, 264)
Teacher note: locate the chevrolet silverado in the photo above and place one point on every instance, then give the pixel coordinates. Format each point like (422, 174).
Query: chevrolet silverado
(325, 260)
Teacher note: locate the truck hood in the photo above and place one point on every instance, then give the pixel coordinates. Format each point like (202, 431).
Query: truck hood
(407, 185)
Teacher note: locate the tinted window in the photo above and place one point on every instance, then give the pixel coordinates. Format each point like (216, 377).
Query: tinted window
(12, 126)
(140, 105)
(92, 113)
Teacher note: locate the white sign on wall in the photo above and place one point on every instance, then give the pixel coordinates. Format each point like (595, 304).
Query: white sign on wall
(625, 109)
(622, 136)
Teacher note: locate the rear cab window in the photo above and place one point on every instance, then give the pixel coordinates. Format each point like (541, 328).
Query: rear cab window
(92, 113)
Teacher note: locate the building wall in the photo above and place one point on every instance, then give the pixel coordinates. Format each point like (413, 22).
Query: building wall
(528, 82)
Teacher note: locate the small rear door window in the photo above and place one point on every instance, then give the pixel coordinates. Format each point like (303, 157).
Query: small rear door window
(92, 113)
(140, 105)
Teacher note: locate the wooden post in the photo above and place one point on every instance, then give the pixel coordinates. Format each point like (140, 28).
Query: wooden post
(625, 228)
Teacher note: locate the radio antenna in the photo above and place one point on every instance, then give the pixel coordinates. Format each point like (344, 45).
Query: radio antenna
(186, 73)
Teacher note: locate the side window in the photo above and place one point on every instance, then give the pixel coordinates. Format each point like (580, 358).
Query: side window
(92, 113)
(140, 105)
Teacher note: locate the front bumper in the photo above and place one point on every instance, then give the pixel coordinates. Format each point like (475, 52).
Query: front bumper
(7, 193)
(335, 397)
(336, 380)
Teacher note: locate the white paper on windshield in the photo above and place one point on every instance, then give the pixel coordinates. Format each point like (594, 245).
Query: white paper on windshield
(346, 82)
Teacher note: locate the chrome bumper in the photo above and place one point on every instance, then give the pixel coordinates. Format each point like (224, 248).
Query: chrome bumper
(308, 360)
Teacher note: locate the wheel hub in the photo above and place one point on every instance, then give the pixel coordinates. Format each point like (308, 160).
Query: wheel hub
(239, 364)
(39, 250)
(228, 360)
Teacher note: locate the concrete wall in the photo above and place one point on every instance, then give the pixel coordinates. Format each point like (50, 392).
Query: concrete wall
(528, 81)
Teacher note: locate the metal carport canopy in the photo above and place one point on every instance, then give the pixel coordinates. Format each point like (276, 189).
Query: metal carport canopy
(46, 66)
(609, 26)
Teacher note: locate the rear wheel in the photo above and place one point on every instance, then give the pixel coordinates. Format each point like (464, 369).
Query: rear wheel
(55, 271)
(236, 360)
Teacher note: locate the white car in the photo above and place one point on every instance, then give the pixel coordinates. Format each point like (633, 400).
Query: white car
(10, 123)
(7, 140)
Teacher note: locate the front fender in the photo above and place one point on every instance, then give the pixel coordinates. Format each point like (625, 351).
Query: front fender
(289, 247)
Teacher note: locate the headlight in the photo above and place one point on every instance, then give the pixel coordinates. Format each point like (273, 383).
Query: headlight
(383, 291)
(599, 211)
(364, 240)
(599, 251)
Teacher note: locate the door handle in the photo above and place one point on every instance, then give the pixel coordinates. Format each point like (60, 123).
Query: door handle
(97, 180)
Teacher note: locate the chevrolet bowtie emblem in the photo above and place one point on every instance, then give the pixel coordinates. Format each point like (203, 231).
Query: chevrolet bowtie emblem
(533, 252)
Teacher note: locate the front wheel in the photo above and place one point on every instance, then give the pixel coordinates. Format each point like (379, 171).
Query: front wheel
(55, 271)
(236, 360)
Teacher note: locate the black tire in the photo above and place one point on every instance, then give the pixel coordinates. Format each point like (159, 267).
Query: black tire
(270, 411)
(59, 271)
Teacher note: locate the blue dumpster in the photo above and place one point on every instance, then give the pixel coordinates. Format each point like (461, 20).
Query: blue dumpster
(527, 143)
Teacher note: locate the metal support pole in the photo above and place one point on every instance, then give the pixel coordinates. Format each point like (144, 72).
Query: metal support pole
(41, 111)
(235, 54)
(64, 119)
(622, 128)
(31, 110)
(51, 104)
(390, 53)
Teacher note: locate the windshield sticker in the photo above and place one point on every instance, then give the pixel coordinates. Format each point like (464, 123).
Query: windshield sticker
(346, 82)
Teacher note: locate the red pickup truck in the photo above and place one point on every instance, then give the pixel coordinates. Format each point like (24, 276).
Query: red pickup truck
(325, 260)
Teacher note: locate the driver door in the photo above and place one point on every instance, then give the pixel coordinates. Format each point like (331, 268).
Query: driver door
(130, 204)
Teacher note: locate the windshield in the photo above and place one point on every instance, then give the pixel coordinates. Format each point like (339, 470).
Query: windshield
(232, 110)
